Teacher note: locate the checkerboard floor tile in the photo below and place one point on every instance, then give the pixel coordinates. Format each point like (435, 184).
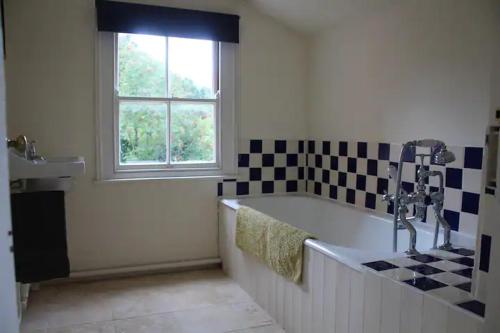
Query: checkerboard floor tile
(380, 265)
(474, 306)
(451, 294)
(449, 278)
(443, 274)
(403, 262)
(424, 283)
(401, 274)
(447, 265)
(425, 269)
(425, 258)
(464, 272)
(465, 286)
(462, 252)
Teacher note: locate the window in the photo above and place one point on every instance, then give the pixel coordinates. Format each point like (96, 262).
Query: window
(166, 107)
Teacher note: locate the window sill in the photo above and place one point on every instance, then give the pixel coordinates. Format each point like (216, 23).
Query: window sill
(163, 178)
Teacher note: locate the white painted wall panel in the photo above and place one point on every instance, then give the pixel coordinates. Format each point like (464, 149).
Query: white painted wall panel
(372, 303)
(280, 299)
(459, 322)
(289, 307)
(330, 292)
(318, 288)
(342, 304)
(306, 290)
(411, 310)
(434, 316)
(356, 301)
(391, 307)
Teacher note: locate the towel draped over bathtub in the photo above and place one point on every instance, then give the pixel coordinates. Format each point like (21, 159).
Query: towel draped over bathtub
(279, 245)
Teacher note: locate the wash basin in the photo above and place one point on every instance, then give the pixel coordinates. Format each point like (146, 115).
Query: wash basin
(38, 168)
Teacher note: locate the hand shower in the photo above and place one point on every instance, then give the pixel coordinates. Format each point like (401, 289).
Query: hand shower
(439, 153)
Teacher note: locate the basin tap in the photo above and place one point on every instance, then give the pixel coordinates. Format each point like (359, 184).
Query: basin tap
(31, 151)
(19, 144)
(24, 147)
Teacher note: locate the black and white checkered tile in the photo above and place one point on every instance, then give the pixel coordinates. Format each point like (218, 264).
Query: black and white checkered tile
(444, 274)
(265, 167)
(356, 173)
(485, 244)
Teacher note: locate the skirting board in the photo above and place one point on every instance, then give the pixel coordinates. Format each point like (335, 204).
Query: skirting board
(138, 270)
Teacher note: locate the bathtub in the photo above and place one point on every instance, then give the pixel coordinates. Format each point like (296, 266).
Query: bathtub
(333, 294)
(350, 235)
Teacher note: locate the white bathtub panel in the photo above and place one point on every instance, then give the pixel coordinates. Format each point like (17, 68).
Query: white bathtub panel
(306, 290)
(461, 322)
(317, 291)
(391, 301)
(281, 285)
(372, 303)
(434, 317)
(342, 305)
(263, 286)
(236, 264)
(289, 306)
(223, 234)
(329, 292)
(411, 310)
(280, 299)
(297, 317)
(226, 216)
(247, 272)
(356, 302)
(243, 268)
(271, 298)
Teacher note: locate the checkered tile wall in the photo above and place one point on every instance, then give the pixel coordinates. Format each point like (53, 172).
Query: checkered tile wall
(356, 173)
(267, 166)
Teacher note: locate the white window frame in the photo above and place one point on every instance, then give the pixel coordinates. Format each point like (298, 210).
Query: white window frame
(108, 154)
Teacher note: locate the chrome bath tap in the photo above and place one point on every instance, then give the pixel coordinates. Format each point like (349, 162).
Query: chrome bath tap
(421, 199)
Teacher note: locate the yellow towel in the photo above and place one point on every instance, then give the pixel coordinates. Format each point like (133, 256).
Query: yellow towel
(279, 245)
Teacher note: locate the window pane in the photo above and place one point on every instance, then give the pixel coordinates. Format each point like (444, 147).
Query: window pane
(143, 132)
(191, 68)
(141, 65)
(192, 132)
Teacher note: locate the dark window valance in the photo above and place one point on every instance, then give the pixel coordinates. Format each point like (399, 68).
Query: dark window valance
(166, 21)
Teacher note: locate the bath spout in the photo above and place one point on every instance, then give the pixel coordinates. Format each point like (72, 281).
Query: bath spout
(412, 248)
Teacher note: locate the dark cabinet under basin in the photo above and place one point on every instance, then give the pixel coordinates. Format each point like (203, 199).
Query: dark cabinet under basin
(39, 231)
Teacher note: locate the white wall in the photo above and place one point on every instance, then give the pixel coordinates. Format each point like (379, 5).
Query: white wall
(420, 68)
(490, 207)
(50, 95)
(9, 321)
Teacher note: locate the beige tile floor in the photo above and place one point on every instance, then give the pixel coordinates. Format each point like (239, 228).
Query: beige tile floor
(190, 302)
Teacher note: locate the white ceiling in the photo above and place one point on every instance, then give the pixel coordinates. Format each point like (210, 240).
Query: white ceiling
(310, 16)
